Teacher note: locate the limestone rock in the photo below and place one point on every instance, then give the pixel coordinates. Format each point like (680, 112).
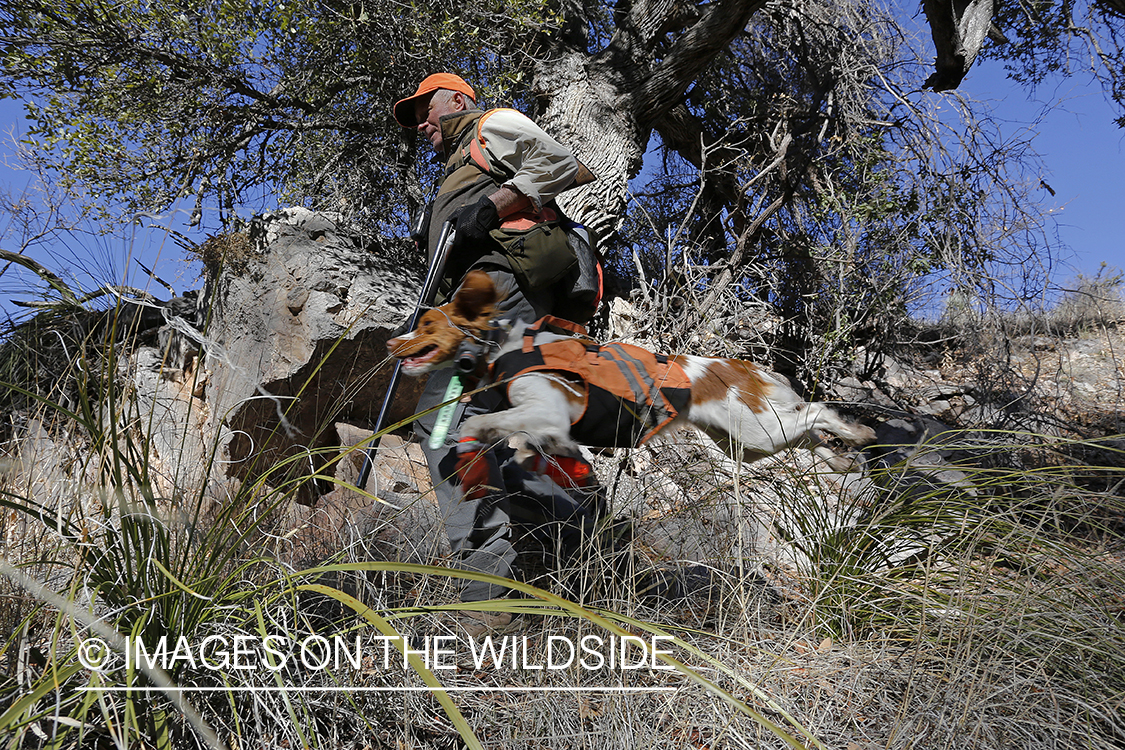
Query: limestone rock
(173, 419)
(407, 525)
(296, 343)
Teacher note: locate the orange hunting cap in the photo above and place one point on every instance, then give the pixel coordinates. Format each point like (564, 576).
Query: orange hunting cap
(404, 108)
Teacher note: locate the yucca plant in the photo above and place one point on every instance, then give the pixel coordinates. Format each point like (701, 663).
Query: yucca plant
(1001, 578)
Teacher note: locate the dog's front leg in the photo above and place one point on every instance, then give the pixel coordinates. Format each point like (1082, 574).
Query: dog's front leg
(542, 410)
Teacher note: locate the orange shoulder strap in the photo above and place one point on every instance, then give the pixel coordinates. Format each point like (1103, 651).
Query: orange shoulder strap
(553, 322)
(478, 145)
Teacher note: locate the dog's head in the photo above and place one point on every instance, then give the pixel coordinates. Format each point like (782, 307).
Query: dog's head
(441, 330)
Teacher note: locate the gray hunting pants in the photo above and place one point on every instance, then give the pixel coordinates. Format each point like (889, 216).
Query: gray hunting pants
(481, 532)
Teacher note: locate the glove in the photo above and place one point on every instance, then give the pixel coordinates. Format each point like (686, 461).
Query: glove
(474, 222)
(476, 471)
(567, 472)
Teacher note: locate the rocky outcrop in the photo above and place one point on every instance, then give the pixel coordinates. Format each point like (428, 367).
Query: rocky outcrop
(249, 378)
(295, 342)
(277, 370)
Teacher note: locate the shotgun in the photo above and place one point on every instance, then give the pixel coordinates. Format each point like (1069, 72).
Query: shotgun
(425, 299)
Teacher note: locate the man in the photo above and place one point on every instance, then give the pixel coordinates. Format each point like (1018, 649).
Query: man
(502, 173)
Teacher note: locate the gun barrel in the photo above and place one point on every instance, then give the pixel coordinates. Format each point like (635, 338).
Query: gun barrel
(425, 299)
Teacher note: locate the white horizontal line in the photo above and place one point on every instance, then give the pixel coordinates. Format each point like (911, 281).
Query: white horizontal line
(403, 689)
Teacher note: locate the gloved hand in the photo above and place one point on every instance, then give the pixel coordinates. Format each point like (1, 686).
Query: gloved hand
(476, 470)
(473, 223)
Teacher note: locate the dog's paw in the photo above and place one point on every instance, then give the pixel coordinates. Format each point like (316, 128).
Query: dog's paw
(844, 462)
(860, 434)
(527, 454)
(494, 428)
(555, 445)
(484, 428)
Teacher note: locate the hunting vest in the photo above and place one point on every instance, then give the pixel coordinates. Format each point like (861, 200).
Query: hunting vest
(534, 245)
(463, 184)
(629, 392)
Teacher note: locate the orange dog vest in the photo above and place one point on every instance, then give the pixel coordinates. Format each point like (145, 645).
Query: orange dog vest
(629, 392)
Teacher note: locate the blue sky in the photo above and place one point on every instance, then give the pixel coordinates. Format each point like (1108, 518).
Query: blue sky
(85, 259)
(1082, 150)
(1083, 153)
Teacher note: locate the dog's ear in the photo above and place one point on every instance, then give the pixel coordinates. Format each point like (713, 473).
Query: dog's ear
(476, 297)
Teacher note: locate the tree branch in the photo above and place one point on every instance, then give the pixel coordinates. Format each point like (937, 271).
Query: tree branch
(690, 54)
(42, 272)
(739, 255)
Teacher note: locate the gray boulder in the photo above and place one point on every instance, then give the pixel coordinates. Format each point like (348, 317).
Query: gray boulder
(295, 343)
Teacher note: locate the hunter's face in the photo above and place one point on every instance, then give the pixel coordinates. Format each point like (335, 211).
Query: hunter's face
(430, 111)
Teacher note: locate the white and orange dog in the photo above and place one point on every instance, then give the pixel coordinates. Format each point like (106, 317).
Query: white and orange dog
(557, 386)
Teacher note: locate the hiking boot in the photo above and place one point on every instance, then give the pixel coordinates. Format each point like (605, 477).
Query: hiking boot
(478, 624)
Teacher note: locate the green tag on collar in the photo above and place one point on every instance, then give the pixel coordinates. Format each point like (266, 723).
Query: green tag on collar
(445, 414)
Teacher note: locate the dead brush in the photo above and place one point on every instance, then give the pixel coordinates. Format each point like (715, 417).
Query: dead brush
(681, 314)
(1090, 303)
(228, 251)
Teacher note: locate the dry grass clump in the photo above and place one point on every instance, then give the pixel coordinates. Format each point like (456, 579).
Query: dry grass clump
(230, 252)
(1085, 305)
(1090, 303)
(895, 609)
(1002, 628)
